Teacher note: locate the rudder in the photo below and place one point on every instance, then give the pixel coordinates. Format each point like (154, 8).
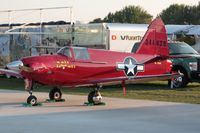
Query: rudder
(154, 41)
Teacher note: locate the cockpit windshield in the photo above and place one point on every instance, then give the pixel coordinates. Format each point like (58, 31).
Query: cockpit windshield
(65, 51)
(81, 53)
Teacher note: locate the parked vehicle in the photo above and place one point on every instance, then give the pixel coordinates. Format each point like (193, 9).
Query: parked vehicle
(185, 59)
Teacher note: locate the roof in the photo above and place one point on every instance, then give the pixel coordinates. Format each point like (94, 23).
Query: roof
(126, 27)
(171, 29)
(186, 29)
(195, 30)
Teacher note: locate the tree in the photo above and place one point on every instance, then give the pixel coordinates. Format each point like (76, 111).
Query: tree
(181, 14)
(197, 14)
(129, 14)
(97, 20)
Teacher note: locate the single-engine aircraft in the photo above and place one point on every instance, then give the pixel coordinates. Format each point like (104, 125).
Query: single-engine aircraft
(79, 66)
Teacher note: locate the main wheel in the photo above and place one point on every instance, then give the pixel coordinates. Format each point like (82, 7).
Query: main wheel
(94, 97)
(55, 94)
(180, 81)
(32, 100)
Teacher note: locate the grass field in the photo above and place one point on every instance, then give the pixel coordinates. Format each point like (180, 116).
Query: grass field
(152, 91)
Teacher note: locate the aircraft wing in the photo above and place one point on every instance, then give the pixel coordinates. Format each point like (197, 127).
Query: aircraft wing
(139, 78)
(10, 73)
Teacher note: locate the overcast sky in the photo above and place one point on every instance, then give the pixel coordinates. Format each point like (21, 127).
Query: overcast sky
(83, 10)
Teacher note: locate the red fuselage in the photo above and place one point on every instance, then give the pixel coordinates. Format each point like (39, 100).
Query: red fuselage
(99, 66)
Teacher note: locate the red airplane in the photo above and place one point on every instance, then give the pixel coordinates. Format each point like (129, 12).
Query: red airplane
(78, 66)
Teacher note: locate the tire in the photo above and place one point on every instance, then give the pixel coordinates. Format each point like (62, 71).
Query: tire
(90, 97)
(32, 100)
(94, 97)
(55, 94)
(181, 81)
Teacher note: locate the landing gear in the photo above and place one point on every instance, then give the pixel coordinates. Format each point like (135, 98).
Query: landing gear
(95, 96)
(32, 100)
(55, 94)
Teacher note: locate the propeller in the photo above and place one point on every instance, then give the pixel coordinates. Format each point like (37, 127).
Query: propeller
(26, 68)
(15, 65)
(18, 66)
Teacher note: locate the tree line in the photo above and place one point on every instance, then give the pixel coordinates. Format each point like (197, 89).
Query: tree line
(174, 14)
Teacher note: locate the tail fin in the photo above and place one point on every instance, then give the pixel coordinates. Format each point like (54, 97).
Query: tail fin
(155, 39)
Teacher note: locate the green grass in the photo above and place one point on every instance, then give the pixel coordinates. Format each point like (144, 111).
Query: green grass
(152, 91)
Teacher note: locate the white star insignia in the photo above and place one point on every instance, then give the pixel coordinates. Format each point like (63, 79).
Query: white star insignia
(130, 67)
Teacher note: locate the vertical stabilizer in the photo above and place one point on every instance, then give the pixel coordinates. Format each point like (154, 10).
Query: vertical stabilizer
(154, 41)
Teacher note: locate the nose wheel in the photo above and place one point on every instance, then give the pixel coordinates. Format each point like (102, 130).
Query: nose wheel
(29, 85)
(32, 100)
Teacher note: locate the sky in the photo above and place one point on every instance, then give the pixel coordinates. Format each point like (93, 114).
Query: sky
(83, 10)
